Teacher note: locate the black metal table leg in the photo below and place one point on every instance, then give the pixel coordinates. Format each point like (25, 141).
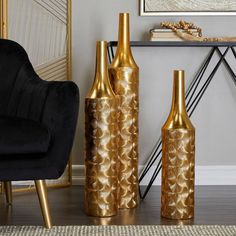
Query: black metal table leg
(198, 97)
(199, 75)
(109, 54)
(228, 67)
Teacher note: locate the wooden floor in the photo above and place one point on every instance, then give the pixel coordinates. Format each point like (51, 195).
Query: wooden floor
(214, 205)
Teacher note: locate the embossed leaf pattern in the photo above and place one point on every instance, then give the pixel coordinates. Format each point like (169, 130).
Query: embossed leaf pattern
(177, 199)
(101, 156)
(126, 85)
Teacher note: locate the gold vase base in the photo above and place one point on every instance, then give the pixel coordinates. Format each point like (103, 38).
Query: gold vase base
(182, 214)
(101, 214)
(100, 203)
(129, 201)
(127, 208)
(101, 210)
(128, 205)
(176, 218)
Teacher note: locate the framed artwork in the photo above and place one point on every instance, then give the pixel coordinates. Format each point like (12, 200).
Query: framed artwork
(187, 7)
(43, 28)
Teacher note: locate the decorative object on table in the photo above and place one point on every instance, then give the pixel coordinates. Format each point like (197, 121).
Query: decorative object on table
(101, 141)
(124, 75)
(29, 23)
(183, 30)
(187, 7)
(168, 35)
(178, 157)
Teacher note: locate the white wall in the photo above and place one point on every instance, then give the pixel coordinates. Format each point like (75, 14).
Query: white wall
(214, 119)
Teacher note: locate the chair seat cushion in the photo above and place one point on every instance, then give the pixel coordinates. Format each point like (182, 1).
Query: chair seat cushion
(22, 136)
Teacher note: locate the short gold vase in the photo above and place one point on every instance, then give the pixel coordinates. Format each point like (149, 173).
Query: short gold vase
(178, 158)
(101, 141)
(124, 75)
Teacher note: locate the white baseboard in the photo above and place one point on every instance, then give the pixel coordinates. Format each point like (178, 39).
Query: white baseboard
(204, 175)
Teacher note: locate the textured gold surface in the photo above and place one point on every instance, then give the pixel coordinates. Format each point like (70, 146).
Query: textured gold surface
(101, 157)
(101, 142)
(178, 158)
(178, 174)
(124, 75)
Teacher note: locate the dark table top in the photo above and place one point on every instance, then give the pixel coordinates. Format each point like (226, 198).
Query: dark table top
(176, 44)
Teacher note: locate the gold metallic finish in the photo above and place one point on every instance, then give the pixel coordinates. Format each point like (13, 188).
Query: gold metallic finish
(43, 200)
(56, 75)
(5, 186)
(45, 68)
(49, 186)
(1, 188)
(101, 141)
(102, 221)
(8, 191)
(69, 172)
(124, 74)
(178, 158)
(69, 41)
(4, 18)
(51, 69)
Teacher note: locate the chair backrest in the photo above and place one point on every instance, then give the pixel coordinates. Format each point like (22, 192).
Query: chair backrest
(12, 57)
(19, 97)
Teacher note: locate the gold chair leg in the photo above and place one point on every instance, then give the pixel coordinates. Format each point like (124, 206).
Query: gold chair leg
(8, 191)
(43, 200)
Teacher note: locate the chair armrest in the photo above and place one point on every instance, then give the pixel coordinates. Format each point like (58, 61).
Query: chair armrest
(60, 115)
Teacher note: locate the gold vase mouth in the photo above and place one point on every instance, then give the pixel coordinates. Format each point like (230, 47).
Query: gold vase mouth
(179, 74)
(124, 14)
(102, 43)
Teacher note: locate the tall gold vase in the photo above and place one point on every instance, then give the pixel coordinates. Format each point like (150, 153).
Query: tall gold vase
(124, 74)
(101, 141)
(178, 157)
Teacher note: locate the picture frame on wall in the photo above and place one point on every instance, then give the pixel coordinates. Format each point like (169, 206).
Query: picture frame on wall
(187, 7)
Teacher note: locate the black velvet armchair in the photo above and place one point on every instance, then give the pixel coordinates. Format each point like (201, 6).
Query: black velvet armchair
(37, 123)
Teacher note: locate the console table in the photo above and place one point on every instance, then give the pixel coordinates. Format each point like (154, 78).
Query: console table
(194, 92)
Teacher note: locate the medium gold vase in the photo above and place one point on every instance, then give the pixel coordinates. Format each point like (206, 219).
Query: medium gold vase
(101, 142)
(124, 75)
(178, 157)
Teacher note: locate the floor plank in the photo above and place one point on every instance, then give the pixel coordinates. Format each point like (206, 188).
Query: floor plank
(214, 205)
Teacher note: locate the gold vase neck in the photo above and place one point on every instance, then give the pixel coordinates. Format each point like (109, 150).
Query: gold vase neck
(178, 117)
(178, 96)
(123, 55)
(124, 33)
(101, 85)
